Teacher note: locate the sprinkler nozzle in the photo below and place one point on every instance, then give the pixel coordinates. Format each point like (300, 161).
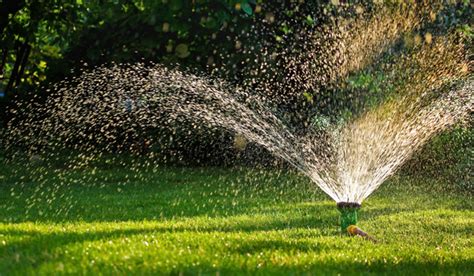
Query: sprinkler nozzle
(348, 205)
(356, 231)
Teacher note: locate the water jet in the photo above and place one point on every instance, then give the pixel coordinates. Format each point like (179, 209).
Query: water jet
(347, 158)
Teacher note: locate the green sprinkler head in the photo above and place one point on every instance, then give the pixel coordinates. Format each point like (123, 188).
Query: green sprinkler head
(348, 214)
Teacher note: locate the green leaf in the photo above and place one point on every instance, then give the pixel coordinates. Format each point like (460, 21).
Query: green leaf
(246, 8)
(285, 29)
(308, 96)
(42, 65)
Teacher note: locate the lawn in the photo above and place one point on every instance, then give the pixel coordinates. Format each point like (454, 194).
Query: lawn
(218, 221)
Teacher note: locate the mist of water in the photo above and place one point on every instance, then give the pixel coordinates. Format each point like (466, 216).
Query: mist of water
(348, 159)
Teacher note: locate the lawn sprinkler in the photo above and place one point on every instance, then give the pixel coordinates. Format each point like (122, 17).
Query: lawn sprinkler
(348, 219)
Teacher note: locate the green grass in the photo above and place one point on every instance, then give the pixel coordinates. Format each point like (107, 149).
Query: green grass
(221, 221)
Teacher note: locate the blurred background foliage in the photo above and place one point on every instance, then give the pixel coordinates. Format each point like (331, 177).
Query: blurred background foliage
(48, 39)
(44, 41)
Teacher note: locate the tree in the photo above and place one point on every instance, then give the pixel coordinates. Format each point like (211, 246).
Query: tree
(29, 32)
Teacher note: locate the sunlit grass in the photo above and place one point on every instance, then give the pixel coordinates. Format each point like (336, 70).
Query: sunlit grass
(172, 220)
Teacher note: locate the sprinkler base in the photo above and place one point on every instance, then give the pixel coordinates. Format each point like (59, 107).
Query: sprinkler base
(349, 212)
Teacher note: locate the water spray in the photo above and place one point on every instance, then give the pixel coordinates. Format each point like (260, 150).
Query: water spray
(348, 219)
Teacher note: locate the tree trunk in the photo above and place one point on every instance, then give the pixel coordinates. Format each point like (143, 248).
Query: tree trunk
(24, 60)
(21, 50)
(4, 60)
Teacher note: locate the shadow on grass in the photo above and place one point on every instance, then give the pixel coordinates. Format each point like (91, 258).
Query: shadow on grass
(183, 203)
(30, 250)
(164, 202)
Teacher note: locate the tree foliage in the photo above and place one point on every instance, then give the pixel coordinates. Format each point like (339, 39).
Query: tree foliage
(68, 33)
